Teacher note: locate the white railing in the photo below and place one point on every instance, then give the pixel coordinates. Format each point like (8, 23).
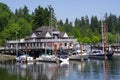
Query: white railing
(13, 41)
(58, 40)
(44, 40)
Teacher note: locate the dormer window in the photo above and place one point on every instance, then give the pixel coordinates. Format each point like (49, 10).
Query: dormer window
(56, 32)
(38, 33)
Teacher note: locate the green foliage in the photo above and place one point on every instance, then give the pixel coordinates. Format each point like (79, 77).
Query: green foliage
(76, 32)
(67, 26)
(111, 38)
(21, 28)
(24, 28)
(4, 15)
(61, 28)
(86, 40)
(95, 24)
(2, 42)
(95, 39)
(43, 17)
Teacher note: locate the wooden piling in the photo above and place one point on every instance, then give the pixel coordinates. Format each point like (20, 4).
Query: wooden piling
(81, 51)
(56, 52)
(105, 38)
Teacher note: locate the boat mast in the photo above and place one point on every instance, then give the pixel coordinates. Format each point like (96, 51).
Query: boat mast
(51, 18)
(102, 38)
(16, 44)
(50, 23)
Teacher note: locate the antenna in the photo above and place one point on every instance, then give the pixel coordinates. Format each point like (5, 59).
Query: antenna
(51, 11)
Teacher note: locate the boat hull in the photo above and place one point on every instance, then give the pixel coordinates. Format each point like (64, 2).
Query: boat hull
(63, 59)
(101, 56)
(78, 57)
(46, 58)
(52, 59)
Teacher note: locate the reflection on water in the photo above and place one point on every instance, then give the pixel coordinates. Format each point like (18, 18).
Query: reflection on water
(73, 70)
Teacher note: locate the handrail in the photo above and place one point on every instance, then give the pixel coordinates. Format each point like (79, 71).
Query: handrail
(43, 40)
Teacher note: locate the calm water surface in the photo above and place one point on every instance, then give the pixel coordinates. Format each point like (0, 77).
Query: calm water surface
(74, 70)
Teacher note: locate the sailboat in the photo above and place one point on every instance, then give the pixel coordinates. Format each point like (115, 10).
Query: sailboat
(101, 54)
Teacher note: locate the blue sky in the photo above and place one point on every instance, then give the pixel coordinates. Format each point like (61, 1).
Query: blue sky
(70, 8)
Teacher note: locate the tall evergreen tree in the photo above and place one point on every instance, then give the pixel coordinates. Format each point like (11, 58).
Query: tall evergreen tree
(4, 15)
(94, 24)
(43, 17)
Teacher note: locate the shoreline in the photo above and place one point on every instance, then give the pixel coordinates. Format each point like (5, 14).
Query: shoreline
(4, 57)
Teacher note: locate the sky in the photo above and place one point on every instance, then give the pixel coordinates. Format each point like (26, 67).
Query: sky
(70, 9)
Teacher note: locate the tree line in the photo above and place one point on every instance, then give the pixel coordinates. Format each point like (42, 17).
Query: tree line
(22, 23)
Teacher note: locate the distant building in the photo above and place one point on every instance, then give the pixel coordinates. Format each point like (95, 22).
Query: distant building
(44, 37)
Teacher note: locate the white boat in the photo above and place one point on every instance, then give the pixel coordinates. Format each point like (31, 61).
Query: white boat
(46, 58)
(78, 55)
(64, 59)
(24, 58)
(49, 58)
(63, 56)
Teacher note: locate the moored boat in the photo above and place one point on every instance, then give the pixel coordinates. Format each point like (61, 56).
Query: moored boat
(63, 56)
(78, 55)
(100, 55)
(104, 53)
(60, 57)
(24, 58)
(46, 58)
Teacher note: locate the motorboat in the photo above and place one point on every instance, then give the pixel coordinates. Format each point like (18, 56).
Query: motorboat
(100, 54)
(63, 56)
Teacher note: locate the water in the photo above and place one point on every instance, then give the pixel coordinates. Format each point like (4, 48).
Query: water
(74, 70)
